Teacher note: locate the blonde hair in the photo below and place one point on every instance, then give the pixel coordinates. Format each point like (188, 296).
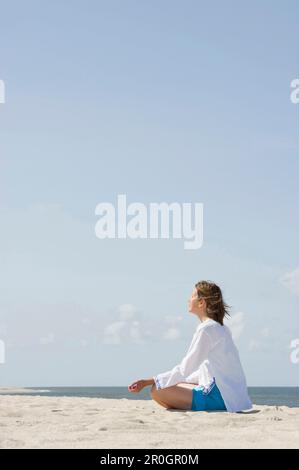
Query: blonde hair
(217, 309)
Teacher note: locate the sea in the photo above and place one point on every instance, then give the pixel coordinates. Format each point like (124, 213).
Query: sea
(287, 396)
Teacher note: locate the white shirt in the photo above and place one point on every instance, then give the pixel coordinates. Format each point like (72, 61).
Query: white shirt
(211, 354)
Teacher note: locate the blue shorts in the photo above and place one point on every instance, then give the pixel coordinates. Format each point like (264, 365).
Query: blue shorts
(210, 398)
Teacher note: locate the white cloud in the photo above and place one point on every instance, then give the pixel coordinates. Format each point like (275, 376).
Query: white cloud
(265, 332)
(130, 326)
(262, 343)
(172, 334)
(254, 345)
(49, 339)
(236, 324)
(113, 332)
(135, 333)
(173, 319)
(127, 312)
(126, 329)
(291, 281)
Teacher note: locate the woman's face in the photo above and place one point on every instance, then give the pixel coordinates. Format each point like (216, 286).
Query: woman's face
(193, 302)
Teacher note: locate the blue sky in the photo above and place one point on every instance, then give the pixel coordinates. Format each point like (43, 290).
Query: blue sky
(162, 101)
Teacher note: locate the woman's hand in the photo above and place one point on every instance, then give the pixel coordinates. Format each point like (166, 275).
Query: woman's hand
(137, 386)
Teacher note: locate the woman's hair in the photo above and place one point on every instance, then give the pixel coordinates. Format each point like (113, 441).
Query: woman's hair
(216, 307)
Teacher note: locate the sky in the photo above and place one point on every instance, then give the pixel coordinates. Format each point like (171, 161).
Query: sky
(185, 102)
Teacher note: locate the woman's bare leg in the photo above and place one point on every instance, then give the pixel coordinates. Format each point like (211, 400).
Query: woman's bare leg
(177, 396)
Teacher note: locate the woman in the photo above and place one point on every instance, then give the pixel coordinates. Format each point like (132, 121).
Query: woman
(210, 376)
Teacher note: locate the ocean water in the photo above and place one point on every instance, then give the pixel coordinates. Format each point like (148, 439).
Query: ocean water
(288, 396)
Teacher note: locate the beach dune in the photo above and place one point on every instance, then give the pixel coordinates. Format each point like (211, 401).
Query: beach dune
(66, 422)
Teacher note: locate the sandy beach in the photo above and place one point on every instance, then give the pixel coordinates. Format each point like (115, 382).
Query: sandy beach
(66, 422)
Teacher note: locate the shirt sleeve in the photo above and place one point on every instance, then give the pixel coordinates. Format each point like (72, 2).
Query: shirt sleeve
(196, 354)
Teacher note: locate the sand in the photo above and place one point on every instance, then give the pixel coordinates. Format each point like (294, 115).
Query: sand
(66, 422)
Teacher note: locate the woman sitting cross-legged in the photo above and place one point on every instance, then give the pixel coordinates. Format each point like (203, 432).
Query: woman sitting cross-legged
(210, 376)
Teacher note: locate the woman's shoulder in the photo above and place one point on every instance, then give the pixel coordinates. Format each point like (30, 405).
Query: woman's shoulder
(203, 325)
(213, 327)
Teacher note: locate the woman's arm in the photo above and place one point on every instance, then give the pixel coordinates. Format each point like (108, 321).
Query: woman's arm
(196, 354)
(138, 385)
(149, 382)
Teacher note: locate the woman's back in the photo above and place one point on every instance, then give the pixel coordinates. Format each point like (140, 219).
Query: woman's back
(223, 364)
